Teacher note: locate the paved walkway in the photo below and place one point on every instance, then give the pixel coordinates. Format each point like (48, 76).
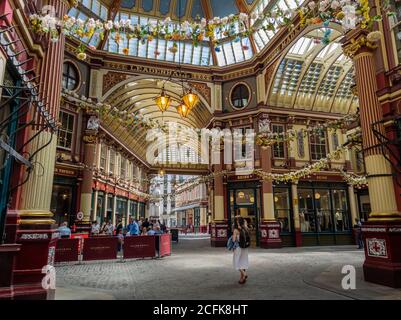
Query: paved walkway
(197, 271)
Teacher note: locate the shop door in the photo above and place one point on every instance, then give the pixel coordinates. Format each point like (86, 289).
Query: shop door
(243, 202)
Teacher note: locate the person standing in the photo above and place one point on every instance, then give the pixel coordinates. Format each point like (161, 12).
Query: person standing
(109, 228)
(133, 228)
(119, 226)
(64, 231)
(95, 230)
(240, 255)
(358, 233)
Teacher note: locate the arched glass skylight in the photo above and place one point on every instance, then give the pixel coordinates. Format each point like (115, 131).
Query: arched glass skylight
(315, 76)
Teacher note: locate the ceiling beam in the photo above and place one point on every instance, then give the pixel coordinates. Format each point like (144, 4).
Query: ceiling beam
(113, 10)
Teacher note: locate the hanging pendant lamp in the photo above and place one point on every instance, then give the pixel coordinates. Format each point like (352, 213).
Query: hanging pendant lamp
(163, 101)
(190, 99)
(183, 110)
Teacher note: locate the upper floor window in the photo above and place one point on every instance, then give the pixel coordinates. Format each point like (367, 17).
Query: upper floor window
(123, 168)
(278, 147)
(70, 76)
(65, 132)
(240, 96)
(335, 142)
(318, 146)
(395, 23)
(112, 160)
(103, 156)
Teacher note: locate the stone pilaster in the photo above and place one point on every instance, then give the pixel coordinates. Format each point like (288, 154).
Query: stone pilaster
(295, 210)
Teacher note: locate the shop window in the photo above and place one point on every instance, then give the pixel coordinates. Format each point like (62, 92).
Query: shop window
(240, 96)
(282, 211)
(70, 76)
(278, 147)
(306, 210)
(341, 219)
(324, 222)
(318, 145)
(323, 210)
(65, 132)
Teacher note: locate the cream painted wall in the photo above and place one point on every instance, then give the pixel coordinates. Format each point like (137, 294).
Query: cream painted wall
(2, 70)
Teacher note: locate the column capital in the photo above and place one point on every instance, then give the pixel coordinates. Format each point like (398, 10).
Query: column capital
(90, 137)
(359, 41)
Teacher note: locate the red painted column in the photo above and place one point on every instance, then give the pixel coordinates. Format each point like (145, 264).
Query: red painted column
(36, 230)
(219, 225)
(269, 227)
(382, 232)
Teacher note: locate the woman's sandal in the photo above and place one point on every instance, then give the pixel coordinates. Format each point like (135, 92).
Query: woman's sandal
(242, 281)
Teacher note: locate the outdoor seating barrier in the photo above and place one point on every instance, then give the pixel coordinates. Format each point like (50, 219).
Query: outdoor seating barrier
(100, 248)
(164, 245)
(139, 247)
(67, 250)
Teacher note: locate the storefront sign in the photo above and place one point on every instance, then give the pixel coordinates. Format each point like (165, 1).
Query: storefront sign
(67, 250)
(65, 172)
(164, 245)
(139, 247)
(100, 248)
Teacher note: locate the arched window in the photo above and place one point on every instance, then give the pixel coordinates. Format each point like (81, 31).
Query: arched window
(240, 96)
(70, 76)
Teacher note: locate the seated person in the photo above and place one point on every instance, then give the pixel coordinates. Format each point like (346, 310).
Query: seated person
(65, 232)
(154, 231)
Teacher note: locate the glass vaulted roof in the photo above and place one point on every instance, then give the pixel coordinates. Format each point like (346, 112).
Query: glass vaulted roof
(230, 51)
(315, 75)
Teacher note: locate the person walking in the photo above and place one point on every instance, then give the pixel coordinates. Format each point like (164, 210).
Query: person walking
(240, 255)
(358, 233)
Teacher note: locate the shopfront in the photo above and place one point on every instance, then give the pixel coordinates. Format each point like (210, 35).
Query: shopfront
(141, 209)
(324, 213)
(63, 201)
(283, 213)
(244, 201)
(133, 209)
(121, 210)
(110, 206)
(100, 206)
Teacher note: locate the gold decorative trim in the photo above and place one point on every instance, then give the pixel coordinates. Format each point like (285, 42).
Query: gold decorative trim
(351, 49)
(37, 221)
(383, 219)
(34, 213)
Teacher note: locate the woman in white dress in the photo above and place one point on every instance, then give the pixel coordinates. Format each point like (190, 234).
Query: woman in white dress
(240, 257)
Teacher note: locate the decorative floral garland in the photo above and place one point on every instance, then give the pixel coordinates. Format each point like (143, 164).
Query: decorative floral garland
(348, 12)
(295, 176)
(102, 109)
(268, 138)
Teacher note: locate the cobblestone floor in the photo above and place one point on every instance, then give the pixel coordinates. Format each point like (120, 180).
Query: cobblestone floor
(197, 271)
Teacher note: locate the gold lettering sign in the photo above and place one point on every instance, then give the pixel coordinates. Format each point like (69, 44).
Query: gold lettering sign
(65, 172)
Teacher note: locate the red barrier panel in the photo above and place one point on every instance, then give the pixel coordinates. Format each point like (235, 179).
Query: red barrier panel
(165, 245)
(139, 247)
(100, 248)
(67, 250)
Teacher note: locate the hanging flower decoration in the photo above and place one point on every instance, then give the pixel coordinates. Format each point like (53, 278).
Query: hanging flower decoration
(268, 138)
(348, 13)
(126, 51)
(105, 110)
